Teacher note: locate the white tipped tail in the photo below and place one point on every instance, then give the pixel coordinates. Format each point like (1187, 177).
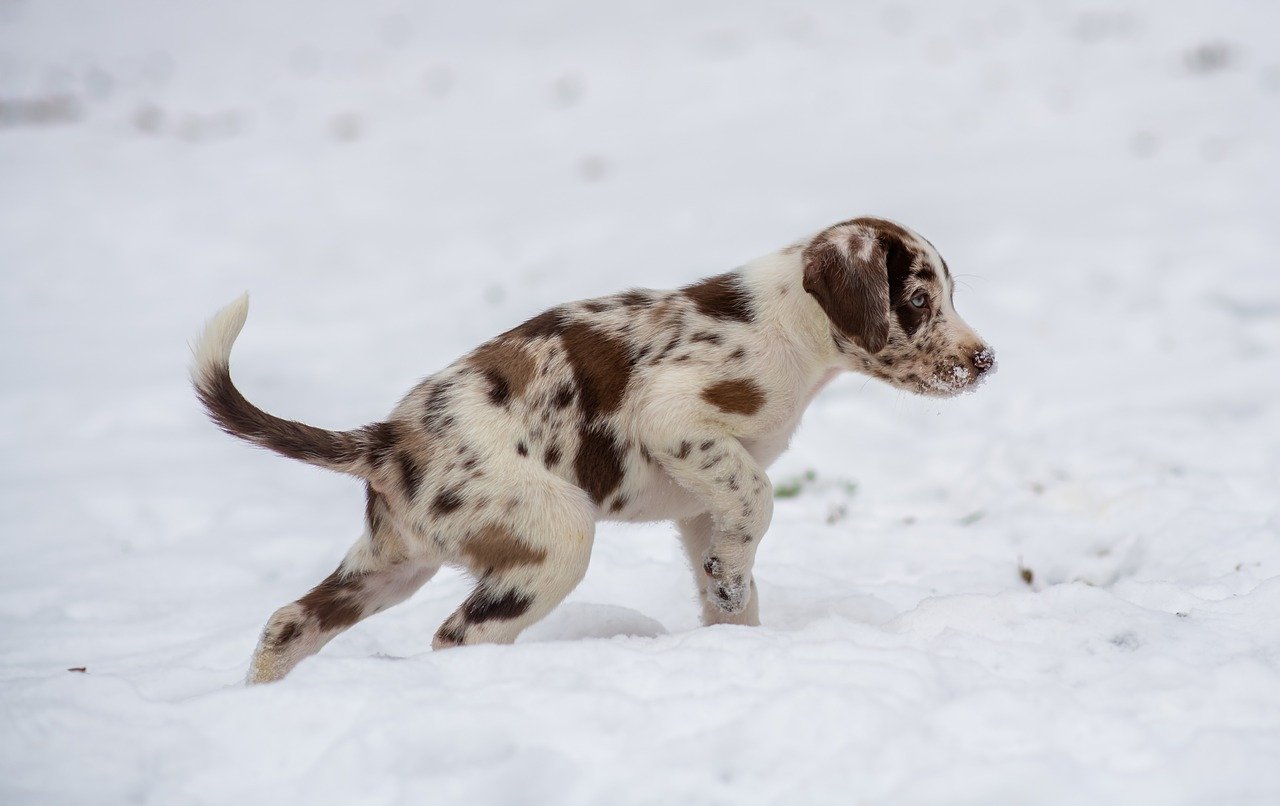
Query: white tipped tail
(353, 452)
(212, 351)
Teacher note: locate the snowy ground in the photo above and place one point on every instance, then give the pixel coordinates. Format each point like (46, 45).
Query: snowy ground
(1063, 589)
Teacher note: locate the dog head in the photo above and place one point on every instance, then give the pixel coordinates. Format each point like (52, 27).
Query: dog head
(888, 295)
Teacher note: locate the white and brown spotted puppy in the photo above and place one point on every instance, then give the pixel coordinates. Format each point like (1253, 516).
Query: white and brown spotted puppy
(642, 406)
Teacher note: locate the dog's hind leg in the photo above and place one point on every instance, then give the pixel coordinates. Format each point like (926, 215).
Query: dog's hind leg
(526, 566)
(376, 574)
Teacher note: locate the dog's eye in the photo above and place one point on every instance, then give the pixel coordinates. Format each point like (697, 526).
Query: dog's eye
(919, 300)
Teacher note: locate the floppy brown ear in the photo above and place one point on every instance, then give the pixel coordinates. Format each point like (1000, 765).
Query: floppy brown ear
(852, 287)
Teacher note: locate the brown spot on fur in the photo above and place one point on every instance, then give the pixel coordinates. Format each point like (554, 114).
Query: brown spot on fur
(722, 297)
(601, 368)
(736, 396)
(381, 439)
(508, 367)
(598, 464)
(664, 308)
(435, 416)
(287, 633)
(552, 457)
(547, 323)
(710, 338)
(334, 603)
(486, 605)
(563, 397)
(410, 475)
(635, 298)
(683, 452)
(618, 504)
(450, 634)
(374, 507)
(494, 548)
(446, 501)
(671, 345)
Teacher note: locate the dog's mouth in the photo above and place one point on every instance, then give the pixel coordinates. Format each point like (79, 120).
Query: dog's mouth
(951, 379)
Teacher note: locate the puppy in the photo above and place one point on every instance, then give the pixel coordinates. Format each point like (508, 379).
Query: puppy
(641, 406)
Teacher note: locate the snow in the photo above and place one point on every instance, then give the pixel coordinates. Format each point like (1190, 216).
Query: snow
(1063, 588)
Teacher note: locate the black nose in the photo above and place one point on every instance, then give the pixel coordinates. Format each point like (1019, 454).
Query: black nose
(984, 359)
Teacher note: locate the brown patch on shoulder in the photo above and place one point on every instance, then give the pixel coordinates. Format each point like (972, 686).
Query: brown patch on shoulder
(598, 464)
(494, 548)
(736, 396)
(506, 365)
(335, 602)
(722, 297)
(602, 367)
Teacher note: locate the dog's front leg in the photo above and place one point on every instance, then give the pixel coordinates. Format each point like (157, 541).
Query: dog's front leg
(696, 535)
(716, 468)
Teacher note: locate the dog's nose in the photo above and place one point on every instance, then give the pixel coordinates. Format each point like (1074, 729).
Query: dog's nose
(984, 359)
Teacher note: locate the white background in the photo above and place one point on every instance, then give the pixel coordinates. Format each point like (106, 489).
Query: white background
(395, 182)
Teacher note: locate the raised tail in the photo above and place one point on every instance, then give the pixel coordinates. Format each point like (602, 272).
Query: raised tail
(356, 452)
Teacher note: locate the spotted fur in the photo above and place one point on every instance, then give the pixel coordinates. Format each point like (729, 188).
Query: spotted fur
(645, 405)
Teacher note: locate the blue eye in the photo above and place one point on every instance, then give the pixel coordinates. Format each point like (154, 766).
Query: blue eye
(919, 300)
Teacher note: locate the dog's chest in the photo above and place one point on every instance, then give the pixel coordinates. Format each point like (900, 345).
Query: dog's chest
(653, 495)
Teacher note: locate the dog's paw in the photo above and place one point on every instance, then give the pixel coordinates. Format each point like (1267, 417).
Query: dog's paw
(729, 592)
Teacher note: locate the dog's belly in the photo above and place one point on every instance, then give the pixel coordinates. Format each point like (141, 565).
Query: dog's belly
(654, 496)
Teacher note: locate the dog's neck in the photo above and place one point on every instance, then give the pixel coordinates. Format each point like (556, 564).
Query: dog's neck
(790, 315)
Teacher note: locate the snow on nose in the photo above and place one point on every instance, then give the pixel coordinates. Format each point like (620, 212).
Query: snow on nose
(984, 360)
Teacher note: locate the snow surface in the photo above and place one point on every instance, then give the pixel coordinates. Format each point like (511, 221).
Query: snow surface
(1062, 589)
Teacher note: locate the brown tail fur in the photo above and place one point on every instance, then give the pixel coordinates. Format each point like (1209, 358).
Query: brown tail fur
(356, 452)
